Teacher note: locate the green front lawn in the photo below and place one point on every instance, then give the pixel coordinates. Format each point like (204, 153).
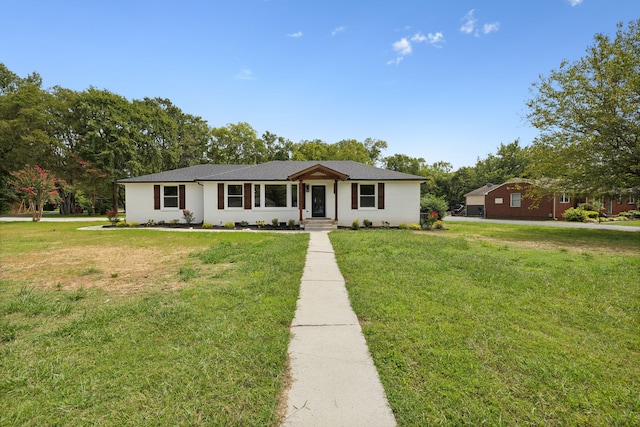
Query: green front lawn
(500, 324)
(141, 327)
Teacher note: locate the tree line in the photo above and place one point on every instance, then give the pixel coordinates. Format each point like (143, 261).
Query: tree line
(587, 112)
(90, 139)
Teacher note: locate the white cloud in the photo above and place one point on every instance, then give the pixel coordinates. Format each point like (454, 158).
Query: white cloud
(432, 39)
(402, 47)
(490, 28)
(245, 74)
(418, 38)
(469, 24)
(435, 39)
(295, 35)
(338, 30)
(574, 3)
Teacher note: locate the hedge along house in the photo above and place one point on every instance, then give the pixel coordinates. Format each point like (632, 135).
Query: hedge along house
(509, 201)
(341, 191)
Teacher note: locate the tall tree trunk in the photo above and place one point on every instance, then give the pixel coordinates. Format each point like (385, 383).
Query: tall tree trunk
(67, 203)
(115, 195)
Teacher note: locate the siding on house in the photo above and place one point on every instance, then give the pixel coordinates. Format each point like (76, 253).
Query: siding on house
(352, 191)
(144, 202)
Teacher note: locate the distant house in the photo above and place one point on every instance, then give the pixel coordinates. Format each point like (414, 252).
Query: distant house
(341, 191)
(509, 201)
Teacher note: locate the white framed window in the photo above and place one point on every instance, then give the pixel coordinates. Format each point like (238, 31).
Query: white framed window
(367, 196)
(170, 196)
(498, 201)
(564, 198)
(515, 200)
(631, 200)
(234, 196)
(294, 195)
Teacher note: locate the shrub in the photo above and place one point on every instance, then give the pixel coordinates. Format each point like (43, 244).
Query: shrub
(174, 221)
(403, 227)
(355, 224)
(122, 224)
(112, 216)
(574, 215)
(414, 226)
(274, 222)
(431, 203)
(291, 223)
(367, 223)
(260, 223)
(162, 222)
(439, 225)
(134, 224)
(229, 224)
(188, 216)
(590, 206)
(207, 225)
(591, 214)
(244, 224)
(630, 214)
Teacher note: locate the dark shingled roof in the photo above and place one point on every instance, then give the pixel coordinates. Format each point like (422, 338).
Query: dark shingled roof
(273, 171)
(190, 174)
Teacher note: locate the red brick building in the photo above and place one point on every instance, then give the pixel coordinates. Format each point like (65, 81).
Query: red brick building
(510, 201)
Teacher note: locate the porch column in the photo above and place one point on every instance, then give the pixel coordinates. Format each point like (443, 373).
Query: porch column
(301, 195)
(335, 195)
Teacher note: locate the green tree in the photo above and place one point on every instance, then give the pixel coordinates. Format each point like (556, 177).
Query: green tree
(403, 163)
(588, 114)
(510, 161)
(310, 150)
(236, 144)
(24, 125)
(375, 148)
(349, 149)
(108, 136)
(276, 147)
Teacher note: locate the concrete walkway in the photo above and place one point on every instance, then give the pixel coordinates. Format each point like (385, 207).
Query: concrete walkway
(334, 381)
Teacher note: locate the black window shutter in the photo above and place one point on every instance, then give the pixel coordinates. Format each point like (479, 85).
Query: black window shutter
(220, 196)
(381, 195)
(181, 197)
(354, 195)
(156, 197)
(247, 195)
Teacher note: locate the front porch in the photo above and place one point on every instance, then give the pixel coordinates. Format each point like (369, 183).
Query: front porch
(318, 187)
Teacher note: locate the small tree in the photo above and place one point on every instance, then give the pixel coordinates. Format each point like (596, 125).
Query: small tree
(430, 203)
(37, 187)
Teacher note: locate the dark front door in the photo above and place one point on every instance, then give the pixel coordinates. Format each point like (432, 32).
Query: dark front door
(318, 208)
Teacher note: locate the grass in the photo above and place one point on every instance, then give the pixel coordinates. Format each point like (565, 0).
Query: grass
(141, 327)
(632, 223)
(500, 324)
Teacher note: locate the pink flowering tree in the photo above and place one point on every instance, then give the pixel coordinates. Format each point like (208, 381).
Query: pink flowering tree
(37, 186)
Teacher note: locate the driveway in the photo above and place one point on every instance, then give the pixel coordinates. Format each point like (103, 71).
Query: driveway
(592, 225)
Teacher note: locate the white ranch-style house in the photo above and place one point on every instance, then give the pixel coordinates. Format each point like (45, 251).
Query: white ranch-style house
(341, 191)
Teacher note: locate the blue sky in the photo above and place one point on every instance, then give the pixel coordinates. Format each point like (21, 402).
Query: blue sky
(442, 80)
